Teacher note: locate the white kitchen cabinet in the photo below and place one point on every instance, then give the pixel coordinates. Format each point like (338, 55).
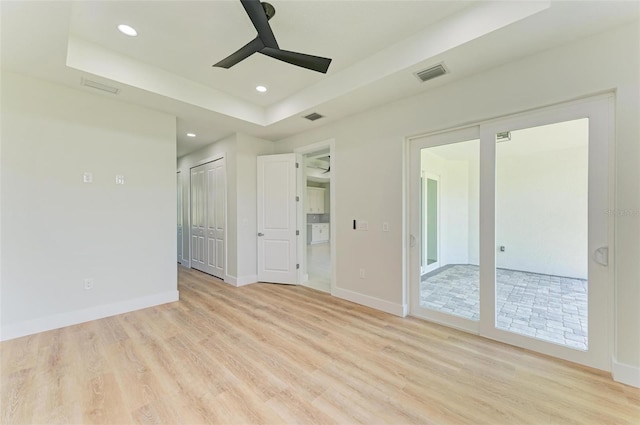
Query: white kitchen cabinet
(317, 233)
(315, 200)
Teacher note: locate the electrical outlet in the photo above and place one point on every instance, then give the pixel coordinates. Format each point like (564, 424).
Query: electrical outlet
(385, 227)
(87, 177)
(362, 276)
(119, 179)
(88, 284)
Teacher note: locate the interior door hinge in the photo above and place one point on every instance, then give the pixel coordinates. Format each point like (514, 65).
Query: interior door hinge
(297, 165)
(297, 199)
(297, 232)
(297, 266)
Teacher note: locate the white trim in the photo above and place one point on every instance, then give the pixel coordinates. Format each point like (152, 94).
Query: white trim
(369, 301)
(317, 146)
(625, 373)
(207, 160)
(62, 320)
(241, 281)
(605, 94)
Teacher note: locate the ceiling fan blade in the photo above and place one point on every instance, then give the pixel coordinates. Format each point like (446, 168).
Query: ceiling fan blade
(315, 63)
(244, 52)
(259, 19)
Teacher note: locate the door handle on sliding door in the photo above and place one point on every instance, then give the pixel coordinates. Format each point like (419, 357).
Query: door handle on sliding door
(601, 255)
(260, 234)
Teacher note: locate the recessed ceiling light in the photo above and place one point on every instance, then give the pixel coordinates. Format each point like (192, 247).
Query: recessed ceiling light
(191, 135)
(127, 30)
(261, 89)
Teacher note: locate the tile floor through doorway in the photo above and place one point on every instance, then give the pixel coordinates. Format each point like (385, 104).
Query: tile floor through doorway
(551, 308)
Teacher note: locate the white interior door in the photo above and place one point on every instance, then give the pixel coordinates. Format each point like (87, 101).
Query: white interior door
(208, 220)
(277, 219)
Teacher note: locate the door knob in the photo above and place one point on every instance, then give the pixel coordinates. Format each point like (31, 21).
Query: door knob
(260, 234)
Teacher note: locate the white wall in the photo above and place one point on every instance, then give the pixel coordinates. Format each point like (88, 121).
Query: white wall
(57, 230)
(541, 212)
(362, 191)
(241, 152)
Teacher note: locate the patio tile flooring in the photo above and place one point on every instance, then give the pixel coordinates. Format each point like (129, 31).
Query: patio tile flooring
(551, 308)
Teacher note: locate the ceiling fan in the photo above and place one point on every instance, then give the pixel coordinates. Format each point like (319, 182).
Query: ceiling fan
(266, 43)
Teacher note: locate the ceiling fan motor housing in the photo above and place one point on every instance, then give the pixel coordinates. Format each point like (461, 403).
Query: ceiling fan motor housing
(269, 10)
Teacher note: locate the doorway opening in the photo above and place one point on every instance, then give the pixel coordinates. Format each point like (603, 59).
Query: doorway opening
(430, 235)
(317, 219)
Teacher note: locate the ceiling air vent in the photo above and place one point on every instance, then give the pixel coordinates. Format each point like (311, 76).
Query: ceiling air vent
(99, 86)
(431, 73)
(314, 116)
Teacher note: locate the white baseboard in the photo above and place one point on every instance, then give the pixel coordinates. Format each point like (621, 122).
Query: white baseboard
(369, 301)
(241, 281)
(62, 320)
(625, 373)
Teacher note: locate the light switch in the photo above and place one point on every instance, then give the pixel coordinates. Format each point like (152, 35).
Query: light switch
(87, 178)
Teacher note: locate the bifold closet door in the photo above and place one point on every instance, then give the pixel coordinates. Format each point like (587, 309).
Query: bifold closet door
(208, 192)
(215, 207)
(197, 218)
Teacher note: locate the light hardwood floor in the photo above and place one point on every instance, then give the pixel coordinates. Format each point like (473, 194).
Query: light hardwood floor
(277, 354)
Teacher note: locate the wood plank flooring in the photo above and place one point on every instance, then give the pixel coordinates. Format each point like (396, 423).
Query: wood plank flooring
(273, 354)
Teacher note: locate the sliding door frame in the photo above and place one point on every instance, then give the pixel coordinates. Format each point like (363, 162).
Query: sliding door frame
(600, 111)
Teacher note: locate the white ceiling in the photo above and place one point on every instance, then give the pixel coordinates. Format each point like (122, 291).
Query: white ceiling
(376, 46)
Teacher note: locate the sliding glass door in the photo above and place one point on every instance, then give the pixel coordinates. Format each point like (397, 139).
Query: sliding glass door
(522, 231)
(448, 289)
